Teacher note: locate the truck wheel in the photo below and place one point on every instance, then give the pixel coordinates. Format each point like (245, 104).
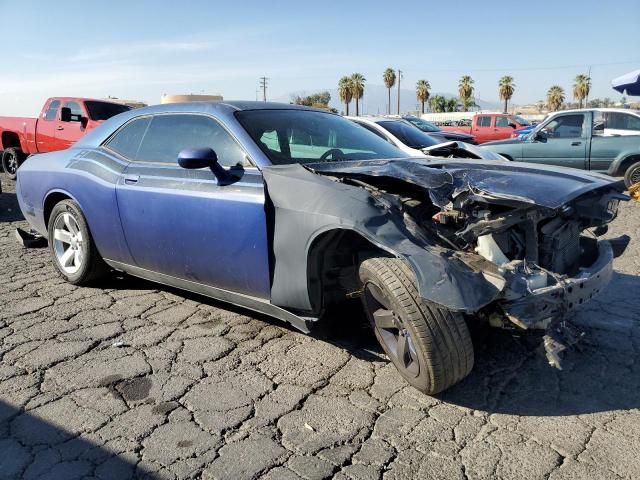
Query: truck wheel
(74, 253)
(428, 344)
(632, 175)
(11, 160)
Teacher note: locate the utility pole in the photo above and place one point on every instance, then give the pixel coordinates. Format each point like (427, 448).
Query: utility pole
(586, 98)
(399, 77)
(263, 85)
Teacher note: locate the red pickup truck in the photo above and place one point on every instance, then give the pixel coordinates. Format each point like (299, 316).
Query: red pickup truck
(487, 127)
(63, 121)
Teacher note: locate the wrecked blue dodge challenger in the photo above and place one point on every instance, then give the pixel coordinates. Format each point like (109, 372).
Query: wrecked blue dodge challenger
(291, 211)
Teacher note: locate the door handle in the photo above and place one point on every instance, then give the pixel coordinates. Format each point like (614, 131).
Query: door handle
(60, 128)
(575, 144)
(131, 179)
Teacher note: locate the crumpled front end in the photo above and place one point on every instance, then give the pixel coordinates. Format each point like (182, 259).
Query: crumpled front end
(531, 236)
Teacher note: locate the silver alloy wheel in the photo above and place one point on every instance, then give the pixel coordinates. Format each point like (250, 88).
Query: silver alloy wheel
(68, 243)
(12, 164)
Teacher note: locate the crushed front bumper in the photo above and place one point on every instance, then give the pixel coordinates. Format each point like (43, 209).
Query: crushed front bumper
(546, 308)
(538, 308)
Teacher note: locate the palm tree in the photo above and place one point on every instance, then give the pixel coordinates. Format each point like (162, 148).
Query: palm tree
(345, 92)
(389, 78)
(505, 89)
(437, 103)
(555, 97)
(422, 92)
(357, 89)
(465, 90)
(581, 88)
(451, 105)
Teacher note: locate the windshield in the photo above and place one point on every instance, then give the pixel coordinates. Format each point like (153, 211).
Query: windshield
(521, 121)
(104, 110)
(423, 125)
(408, 134)
(306, 136)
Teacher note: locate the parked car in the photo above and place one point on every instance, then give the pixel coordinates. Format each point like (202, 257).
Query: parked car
(578, 139)
(63, 120)
(399, 133)
(413, 141)
(487, 127)
(607, 121)
(435, 131)
(292, 211)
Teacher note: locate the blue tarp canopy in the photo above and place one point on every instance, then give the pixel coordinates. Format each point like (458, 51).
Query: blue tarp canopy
(629, 83)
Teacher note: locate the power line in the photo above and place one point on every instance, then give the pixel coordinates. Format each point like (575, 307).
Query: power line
(263, 85)
(522, 69)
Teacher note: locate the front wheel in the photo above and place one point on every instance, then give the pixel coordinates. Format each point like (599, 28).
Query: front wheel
(74, 253)
(632, 175)
(428, 344)
(11, 160)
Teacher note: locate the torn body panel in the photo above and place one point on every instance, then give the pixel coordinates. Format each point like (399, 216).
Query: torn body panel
(307, 205)
(434, 214)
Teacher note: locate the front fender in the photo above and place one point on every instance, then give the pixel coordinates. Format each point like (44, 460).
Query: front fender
(305, 205)
(621, 163)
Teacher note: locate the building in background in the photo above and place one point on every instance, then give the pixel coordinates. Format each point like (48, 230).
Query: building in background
(190, 98)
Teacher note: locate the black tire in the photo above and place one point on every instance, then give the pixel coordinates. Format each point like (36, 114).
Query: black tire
(91, 266)
(632, 175)
(434, 338)
(12, 158)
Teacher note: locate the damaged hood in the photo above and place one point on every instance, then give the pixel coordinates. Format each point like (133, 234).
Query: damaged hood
(546, 186)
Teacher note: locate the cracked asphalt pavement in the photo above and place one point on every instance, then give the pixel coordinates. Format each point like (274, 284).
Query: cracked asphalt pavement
(132, 379)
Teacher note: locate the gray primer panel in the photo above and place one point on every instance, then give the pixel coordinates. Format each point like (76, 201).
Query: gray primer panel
(307, 205)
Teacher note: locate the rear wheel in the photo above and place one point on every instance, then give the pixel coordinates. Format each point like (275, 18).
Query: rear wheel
(428, 344)
(11, 160)
(632, 175)
(74, 253)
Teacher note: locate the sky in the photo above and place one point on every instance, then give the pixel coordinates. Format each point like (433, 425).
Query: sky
(143, 49)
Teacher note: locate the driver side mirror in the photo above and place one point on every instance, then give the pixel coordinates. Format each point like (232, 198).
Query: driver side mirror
(65, 114)
(513, 125)
(194, 158)
(539, 136)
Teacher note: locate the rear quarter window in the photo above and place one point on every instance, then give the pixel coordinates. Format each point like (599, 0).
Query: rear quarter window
(126, 142)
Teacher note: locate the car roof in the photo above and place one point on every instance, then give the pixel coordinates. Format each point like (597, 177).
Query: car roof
(377, 118)
(619, 110)
(226, 105)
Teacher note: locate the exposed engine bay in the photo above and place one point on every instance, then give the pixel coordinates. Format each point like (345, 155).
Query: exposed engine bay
(544, 260)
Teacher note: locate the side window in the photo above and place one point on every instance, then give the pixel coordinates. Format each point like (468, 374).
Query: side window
(598, 125)
(484, 121)
(502, 122)
(52, 111)
(127, 141)
(76, 110)
(566, 126)
(623, 121)
(169, 134)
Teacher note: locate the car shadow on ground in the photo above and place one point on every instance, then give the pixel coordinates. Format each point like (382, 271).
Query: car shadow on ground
(23, 453)
(9, 208)
(601, 373)
(511, 374)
